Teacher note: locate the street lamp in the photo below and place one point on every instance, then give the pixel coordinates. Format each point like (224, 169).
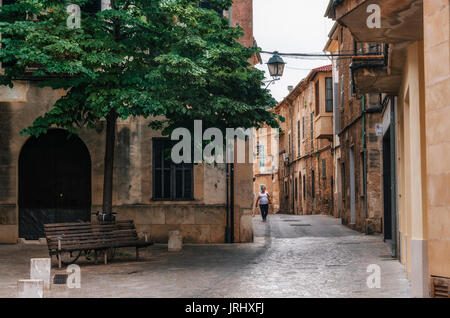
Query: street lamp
(276, 67)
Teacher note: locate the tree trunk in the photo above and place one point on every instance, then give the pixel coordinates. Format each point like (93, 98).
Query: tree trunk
(111, 120)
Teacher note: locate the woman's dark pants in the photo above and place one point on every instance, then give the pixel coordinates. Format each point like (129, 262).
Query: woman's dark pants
(264, 210)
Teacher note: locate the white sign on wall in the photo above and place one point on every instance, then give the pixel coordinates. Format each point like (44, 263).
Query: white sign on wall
(379, 129)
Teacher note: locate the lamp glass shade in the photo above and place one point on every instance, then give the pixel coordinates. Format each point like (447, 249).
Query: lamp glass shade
(276, 65)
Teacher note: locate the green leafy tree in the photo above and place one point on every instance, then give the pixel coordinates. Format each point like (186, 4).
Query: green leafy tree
(169, 59)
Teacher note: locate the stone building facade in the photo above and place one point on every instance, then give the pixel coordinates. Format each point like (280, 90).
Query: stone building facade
(357, 147)
(412, 72)
(306, 169)
(265, 167)
(54, 179)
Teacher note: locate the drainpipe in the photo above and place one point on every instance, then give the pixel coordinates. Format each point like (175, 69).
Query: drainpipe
(394, 200)
(364, 135)
(229, 229)
(232, 203)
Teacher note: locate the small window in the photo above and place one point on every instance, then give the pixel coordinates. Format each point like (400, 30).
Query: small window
(171, 181)
(342, 90)
(329, 94)
(313, 184)
(317, 92)
(303, 127)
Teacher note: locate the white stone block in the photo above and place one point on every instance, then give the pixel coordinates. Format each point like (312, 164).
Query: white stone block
(40, 269)
(30, 288)
(175, 241)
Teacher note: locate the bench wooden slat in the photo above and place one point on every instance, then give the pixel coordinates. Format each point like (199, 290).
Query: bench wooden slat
(72, 227)
(83, 236)
(93, 240)
(79, 224)
(138, 244)
(87, 234)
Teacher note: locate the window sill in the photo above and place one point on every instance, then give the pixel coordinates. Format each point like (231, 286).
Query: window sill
(167, 201)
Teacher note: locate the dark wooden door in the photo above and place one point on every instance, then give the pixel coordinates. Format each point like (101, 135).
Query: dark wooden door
(54, 182)
(387, 186)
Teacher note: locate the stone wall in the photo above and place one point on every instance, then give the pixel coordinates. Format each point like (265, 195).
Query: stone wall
(437, 113)
(201, 220)
(306, 151)
(351, 137)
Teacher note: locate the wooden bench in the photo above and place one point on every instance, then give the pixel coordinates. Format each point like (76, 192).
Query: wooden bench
(69, 240)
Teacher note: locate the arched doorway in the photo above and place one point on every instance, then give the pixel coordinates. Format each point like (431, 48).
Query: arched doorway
(54, 182)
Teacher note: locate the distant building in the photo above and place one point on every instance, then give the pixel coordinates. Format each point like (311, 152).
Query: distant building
(306, 163)
(265, 168)
(357, 146)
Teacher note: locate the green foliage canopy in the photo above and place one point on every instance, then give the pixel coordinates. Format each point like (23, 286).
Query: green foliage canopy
(168, 60)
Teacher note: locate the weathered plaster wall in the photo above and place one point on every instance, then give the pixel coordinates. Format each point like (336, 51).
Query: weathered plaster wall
(411, 176)
(201, 220)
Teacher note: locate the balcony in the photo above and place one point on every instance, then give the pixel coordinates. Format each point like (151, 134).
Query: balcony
(323, 126)
(400, 20)
(377, 68)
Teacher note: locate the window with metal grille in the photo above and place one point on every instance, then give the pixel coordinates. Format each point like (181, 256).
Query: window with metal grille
(329, 94)
(171, 181)
(375, 48)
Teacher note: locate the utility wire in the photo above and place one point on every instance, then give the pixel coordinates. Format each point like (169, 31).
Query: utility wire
(308, 54)
(319, 56)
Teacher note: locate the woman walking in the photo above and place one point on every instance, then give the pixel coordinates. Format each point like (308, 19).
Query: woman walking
(263, 200)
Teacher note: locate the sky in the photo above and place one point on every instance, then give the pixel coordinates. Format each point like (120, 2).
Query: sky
(291, 26)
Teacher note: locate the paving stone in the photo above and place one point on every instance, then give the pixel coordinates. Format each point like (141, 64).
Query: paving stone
(325, 259)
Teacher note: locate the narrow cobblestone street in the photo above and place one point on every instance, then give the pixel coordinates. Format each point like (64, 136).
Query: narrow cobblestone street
(292, 256)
